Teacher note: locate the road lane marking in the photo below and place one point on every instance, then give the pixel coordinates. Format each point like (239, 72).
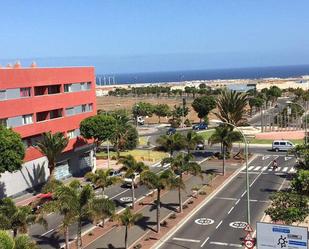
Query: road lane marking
(187, 240)
(238, 224)
(243, 194)
(278, 169)
(237, 202)
(230, 210)
(119, 194)
(219, 224)
(204, 221)
(264, 168)
(204, 241)
(251, 167)
(257, 168)
(285, 169)
(292, 170)
(226, 198)
(225, 244)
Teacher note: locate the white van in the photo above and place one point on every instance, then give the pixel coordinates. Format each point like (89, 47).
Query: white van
(283, 145)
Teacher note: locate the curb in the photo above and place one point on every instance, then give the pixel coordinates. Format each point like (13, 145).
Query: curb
(197, 208)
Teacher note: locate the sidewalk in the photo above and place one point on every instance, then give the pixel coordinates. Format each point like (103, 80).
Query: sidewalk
(115, 237)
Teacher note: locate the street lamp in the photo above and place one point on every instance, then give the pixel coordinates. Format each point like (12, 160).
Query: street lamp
(290, 102)
(246, 158)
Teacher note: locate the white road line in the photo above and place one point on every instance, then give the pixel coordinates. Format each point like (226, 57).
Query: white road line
(264, 168)
(243, 194)
(219, 224)
(285, 169)
(256, 179)
(225, 244)
(257, 168)
(237, 202)
(251, 167)
(278, 169)
(270, 169)
(230, 210)
(119, 194)
(42, 235)
(204, 242)
(292, 170)
(187, 240)
(226, 198)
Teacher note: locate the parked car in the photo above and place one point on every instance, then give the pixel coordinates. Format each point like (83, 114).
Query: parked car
(200, 126)
(200, 146)
(282, 145)
(128, 181)
(41, 199)
(171, 131)
(115, 173)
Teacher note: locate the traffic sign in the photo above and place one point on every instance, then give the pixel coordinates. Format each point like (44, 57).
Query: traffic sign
(249, 243)
(248, 229)
(248, 237)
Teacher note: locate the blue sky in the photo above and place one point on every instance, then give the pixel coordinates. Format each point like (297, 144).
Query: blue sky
(155, 35)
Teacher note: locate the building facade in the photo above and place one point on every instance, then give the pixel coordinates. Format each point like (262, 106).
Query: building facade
(37, 100)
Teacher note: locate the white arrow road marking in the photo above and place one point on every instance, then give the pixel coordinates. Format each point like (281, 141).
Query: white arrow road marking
(287, 158)
(187, 240)
(265, 157)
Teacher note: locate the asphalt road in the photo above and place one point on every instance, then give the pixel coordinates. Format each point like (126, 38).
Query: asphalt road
(219, 223)
(51, 238)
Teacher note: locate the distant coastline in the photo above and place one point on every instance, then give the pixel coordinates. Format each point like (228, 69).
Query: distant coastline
(253, 73)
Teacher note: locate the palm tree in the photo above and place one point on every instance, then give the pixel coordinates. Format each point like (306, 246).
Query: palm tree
(20, 242)
(17, 218)
(192, 139)
(225, 136)
(52, 146)
(102, 179)
(101, 209)
(159, 182)
(180, 164)
(131, 166)
(231, 106)
(127, 219)
(172, 142)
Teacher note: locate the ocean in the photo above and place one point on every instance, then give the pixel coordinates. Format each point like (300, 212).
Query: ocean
(214, 74)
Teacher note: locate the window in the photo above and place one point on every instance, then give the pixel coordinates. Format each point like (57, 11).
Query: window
(55, 114)
(53, 89)
(71, 134)
(4, 122)
(2, 94)
(88, 85)
(69, 111)
(83, 86)
(41, 116)
(67, 88)
(25, 92)
(40, 90)
(276, 143)
(282, 143)
(84, 108)
(90, 107)
(27, 119)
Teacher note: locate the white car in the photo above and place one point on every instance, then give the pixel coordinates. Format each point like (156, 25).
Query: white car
(128, 181)
(282, 145)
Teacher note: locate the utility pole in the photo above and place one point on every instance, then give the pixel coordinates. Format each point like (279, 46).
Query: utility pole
(183, 111)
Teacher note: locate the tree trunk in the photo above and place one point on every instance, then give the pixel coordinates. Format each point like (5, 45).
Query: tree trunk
(126, 238)
(51, 167)
(223, 162)
(14, 232)
(158, 210)
(133, 193)
(66, 235)
(103, 192)
(179, 195)
(79, 234)
(159, 119)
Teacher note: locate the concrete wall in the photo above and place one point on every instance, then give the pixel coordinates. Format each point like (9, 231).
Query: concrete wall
(35, 173)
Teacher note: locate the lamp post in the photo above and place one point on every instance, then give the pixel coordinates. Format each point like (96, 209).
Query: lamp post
(306, 123)
(246, 158)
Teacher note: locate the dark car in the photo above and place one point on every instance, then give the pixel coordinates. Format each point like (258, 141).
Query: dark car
(171, 131)
(200, 126)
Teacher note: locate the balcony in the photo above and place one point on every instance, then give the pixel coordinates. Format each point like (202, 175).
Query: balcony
(48, 115)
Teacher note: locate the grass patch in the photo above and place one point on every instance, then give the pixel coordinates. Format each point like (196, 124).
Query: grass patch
(207, 134)
(139, 155)
(269, 141)
(143, 141)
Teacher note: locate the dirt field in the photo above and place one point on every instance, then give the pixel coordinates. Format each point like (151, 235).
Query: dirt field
(108, 103)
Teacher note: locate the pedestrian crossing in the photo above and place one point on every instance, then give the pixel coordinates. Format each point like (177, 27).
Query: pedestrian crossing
(270, 169)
